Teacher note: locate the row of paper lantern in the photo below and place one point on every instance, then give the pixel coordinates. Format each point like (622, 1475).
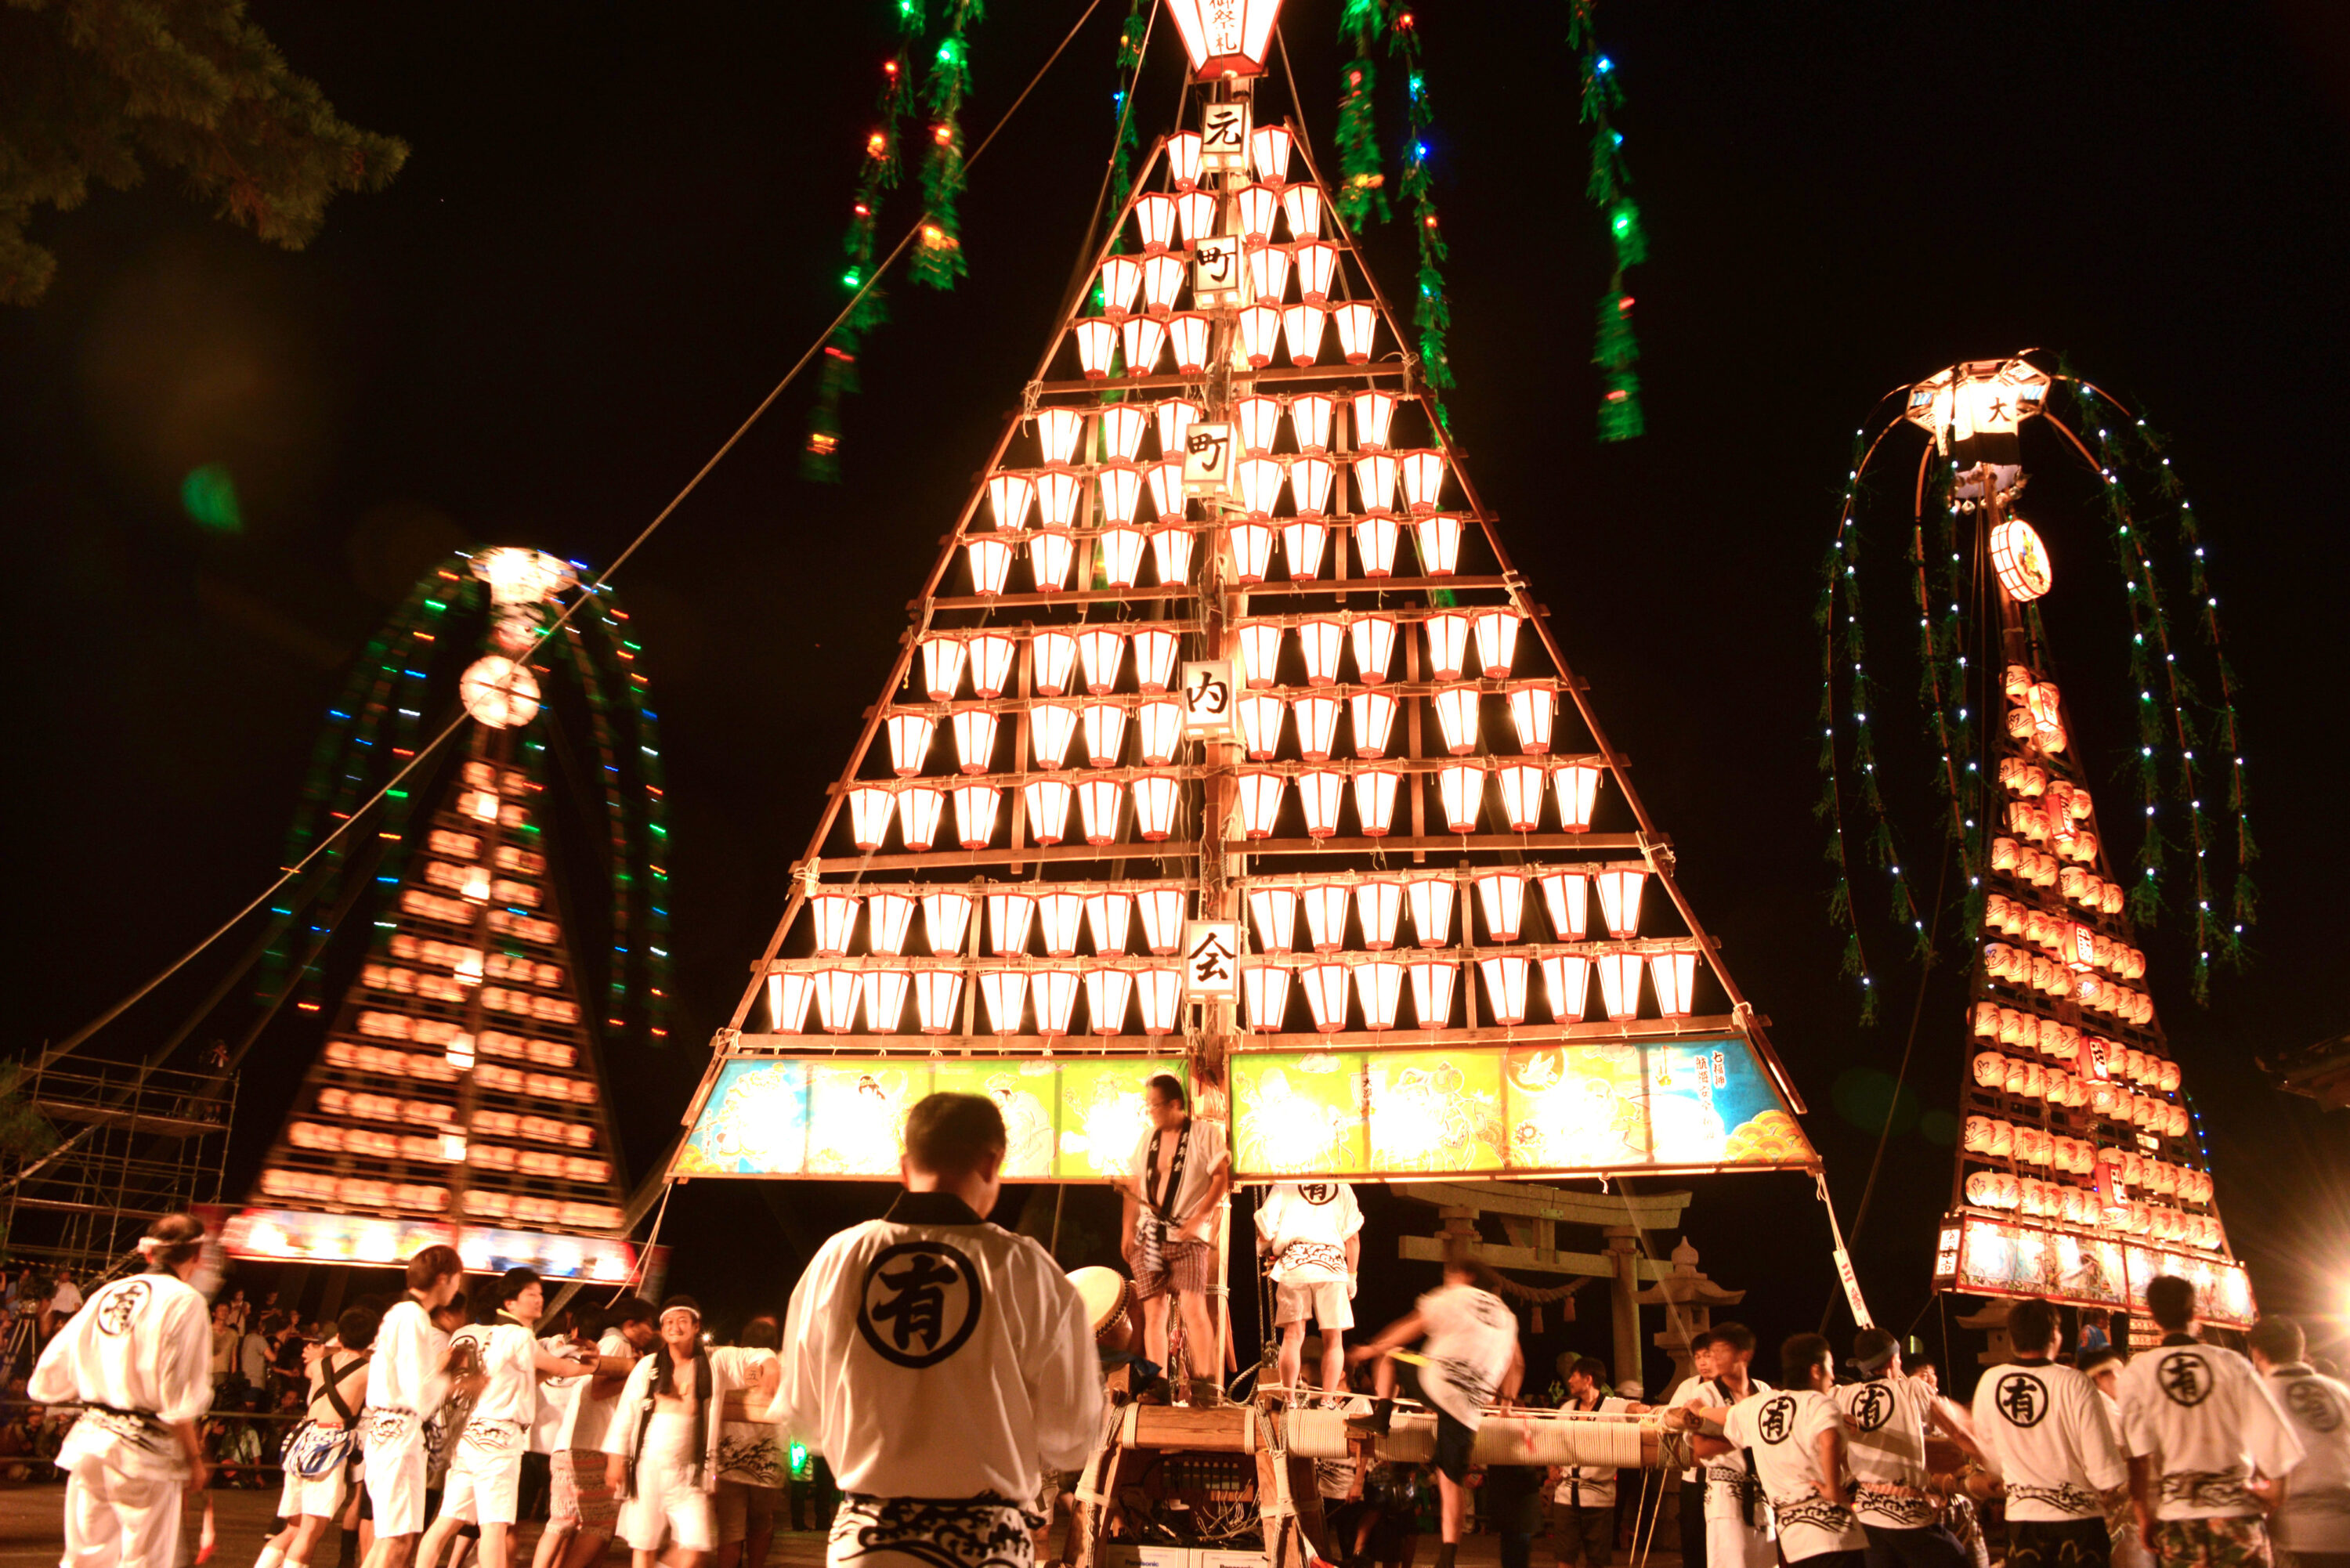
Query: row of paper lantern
(1164, 222)
(2064, 939)
(2093, 1056)
(1138, 343)
(1120, 552)
(1256, 420)
(2031, 780)
(1014, 995)
(2031, 1080)
(2018, 967)
(1106, 916)
(2026, 821)
(1989, 1138)
(452, 845)
(1381, 478)
(1157, 723)
(527, 928)
(372, 1193)
(476, 884)
(2079, 884)
(1269, 149)
(1522, 788)
(535, 1085)
(456, 1047)
(1152, 283)
(2079, 1206)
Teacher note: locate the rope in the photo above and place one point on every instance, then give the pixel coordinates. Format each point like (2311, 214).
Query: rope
(75, 1040)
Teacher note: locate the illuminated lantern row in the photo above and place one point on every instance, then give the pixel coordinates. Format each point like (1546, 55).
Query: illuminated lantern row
(1508, 982)
(1521, 788)
(1043, 998)
(1499, 893)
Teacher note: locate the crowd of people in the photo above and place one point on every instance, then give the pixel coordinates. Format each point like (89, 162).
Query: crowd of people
(953, 1379)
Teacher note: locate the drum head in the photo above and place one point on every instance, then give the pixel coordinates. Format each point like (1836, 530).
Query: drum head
(1107, 1295)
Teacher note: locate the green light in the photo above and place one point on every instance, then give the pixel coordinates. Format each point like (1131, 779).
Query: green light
(799, 1461)
(209, 494)
(851, 278)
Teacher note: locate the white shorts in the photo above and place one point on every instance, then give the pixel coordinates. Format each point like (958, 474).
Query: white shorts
(320, 1499)
(1326, 1304)
(395, 1475)
(485, 1483)
(113, 1519)
(668, 1506)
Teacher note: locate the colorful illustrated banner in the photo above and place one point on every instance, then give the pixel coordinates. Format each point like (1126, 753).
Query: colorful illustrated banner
(1068, 1118)
(1998, 1257)
(314, 1237)
(1508, 1110)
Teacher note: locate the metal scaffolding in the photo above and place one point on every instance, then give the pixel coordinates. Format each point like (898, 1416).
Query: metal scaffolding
(133, 1144)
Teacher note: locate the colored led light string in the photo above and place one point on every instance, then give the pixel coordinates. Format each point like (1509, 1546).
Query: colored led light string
(1133, 35)
(1361, 195)
(938, 258)
(1615, 346)
(1432, 308)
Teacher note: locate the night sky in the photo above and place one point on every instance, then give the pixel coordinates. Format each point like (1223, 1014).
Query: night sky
(620, 225)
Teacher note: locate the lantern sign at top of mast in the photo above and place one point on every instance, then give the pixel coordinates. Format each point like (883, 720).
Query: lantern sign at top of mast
(1224, 39)
(1975, 411)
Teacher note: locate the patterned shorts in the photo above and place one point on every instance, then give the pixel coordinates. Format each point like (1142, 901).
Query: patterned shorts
(576, 1495)
(984, 1532)
(1187, 1267)
(2054, 1543)
(2239, 1541)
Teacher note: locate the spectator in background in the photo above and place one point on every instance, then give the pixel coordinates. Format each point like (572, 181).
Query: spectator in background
(67, 1300)
(2095, 1322)
(223, 1359)
(1583, 1497)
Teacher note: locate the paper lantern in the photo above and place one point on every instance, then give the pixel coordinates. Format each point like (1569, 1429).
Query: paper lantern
(1170, 551)
(1354, 326)
(1052, 992)
(1301, 205)
(1048, 803)
(1533, 705)
(1447, 645)
(991, 565)
(1196, 211)
(1310, 481)
(836, 993)
(1260, 329)
(1319, 640)
(1105, 728)
(1431, 991)
(1438, 542)
(1261, 479)
(1326, 915)
(1154, 215)
(1161, 909)
(886, 920)
(1318, 726)
(1108, 993)
(1256, 420)
(1375, 546)
(1050, 556)
(1008, 917)
(870, 807)
(1431, 898)
(1674, 975)
(1268, 148)
(1317, 264)
(918, 816)
(1309, 420)
(1372, 638)
(1253, 207)
(1461, 788)
(1375, 483)
(1376, 905)
(1304, 542)
(1260, 653)
(1158, 727)
(1264, 996)
(1497, 641)
(787, 1001)
(1058, 916)
(1097, 338)
(942, 661)
(1380, 985)
(1567, 982)
(1187, 334)
(1566, 894)
(1301, 331)
(1052, 655)
(1252, 546)
(1260, 802)
(1502, 896)
(974, 738)
(1324, 985)
(1119, 554)
(1619, 984)
(2020, 559)
(1456, 717)
(1097, 803)
(1155, 798)
(1009, 498)
(1374, 413)
(1423, 480)
(1318, 792)
(1372, 717)
(1261, 718)
(938, 1000)
(1274, 911)
(1050, 725)
(1268, 273)
(1119, 276)
(833, 916)
(974, 809)
(1162, 280)
(1505, 988)
(910, 741)
(1374, 799)
(991, 663)
(1107, 914)
(1520, 785)
(1159, 994)
(882, 992)
(1576, 785)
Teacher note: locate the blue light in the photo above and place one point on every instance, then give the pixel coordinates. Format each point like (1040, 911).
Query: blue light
(1419, 149)
(1602, 64)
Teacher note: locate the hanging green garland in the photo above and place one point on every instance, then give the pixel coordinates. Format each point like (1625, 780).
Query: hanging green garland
(1615, 348)
(1359, 197)
(937, 254)
(1129, 135)
(882, 169)
(1431, 308)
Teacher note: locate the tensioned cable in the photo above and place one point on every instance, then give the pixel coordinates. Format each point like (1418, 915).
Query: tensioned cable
(292, 873)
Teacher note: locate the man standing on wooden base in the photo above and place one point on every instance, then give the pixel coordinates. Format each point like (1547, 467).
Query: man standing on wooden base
(1310, 1234)
(1174, 1203)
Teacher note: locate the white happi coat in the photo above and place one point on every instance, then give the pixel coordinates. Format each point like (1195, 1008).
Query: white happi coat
(1305, 1239)
(140, 1348)
(932, 1355)
(730, 1367)
(2206, 1419)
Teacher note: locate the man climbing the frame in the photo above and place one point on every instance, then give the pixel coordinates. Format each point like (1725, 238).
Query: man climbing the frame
(405, 1385)
(1470, 1358)
(1885, 1418)
(138, 1359)
(1310, 1234)
(2042, 1429)
(1794, 1436)
(939, 1362)
(2208, 1448)
(1174, 1203)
